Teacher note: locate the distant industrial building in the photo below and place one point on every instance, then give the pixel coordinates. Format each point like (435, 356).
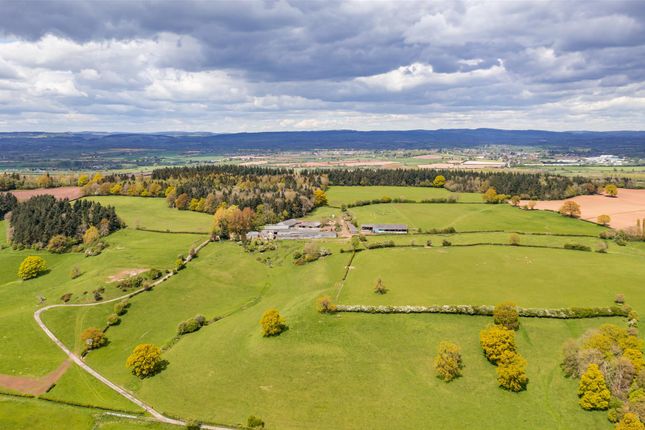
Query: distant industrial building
(292, 229)
(384, 228)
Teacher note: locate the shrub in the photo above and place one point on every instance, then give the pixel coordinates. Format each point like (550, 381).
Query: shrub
(630, 421)
(272, 323)
(570, 209)
(121, 307)
(593, 391)
(254, 422)
(577, 247)
(75, 272)
(495, 340)
(95, 248)
(145, 360)
(66, 297)
(59, 244)
(620, 299)
(511, 371)
(448, 362)
(324, 305)
(193, 425)
(91, 235)
(379, 288)
(113, 319)
(446, 242)
(93, 338)
(191, 325)
(506, 314)
(603, 219)
(31, 267)
(514, 239)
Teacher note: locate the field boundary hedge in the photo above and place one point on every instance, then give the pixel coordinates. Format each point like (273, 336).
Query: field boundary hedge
(152, 230)
(487, 310)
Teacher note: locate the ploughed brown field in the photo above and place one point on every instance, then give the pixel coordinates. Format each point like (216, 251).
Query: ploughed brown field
(624, 209)
(71, 193)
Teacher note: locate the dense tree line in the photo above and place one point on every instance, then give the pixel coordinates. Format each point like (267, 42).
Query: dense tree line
(526, 185)
(273, 194)
(7, 202)
(39, 219)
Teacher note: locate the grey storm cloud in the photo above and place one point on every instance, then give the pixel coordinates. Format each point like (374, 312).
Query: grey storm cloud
(251, 65)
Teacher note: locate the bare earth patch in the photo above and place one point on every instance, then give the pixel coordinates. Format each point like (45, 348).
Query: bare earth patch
(126, 273)
(624, 210)
(34, 386)
(71, 193)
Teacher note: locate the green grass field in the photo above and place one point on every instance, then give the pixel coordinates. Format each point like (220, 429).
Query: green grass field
(341, 371)
(345, 195)
(154, 214)
(472, 218)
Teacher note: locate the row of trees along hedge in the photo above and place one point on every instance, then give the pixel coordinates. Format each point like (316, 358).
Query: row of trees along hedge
(40, 218)
(526, 185)
(7, 202)
(274, 194)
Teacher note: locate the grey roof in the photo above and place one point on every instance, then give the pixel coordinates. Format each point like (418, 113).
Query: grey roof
(289, 222)
(352, 228)
(309, 224)
(385, 226)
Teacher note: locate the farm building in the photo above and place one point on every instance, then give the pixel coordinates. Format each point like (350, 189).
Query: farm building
(384, 228)
(292, 229)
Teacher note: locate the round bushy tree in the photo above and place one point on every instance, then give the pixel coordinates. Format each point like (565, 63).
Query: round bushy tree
(448, 362)
(630, 421)
(31, 267)
(145, 360)
(495, 340)
(91, 235)
(272, 323)
(593, 391)
(506, 314)
(325, 305)
(511, 371)
(93, 338)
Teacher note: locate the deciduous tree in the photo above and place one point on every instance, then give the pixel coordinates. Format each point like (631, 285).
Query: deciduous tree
(145, 360)
(592, 390)
(506, 314)
(272, 323)
(31, 267)
(448, 362)
(570, 209)
(93, 338)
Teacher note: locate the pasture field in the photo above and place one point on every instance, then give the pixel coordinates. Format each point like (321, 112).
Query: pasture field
(152, 213)
(25, 351)
(473, 217)
(341, 371)
(44, 415)
(485, 275)
(350, 194)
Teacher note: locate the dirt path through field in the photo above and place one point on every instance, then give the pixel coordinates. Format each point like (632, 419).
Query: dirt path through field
(34, 386)
(624, 210)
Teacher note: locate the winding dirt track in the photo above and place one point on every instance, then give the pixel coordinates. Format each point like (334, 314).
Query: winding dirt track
(122, 391)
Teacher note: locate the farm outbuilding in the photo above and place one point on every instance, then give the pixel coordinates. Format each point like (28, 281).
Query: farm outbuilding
(384, 228)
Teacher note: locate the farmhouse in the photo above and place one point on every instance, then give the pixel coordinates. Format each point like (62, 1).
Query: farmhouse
(384, 228)
(292, 229)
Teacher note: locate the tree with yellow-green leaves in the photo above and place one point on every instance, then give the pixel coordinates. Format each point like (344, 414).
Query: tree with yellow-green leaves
(511, 371)
(320, 197)
(611, 190)
(439, 181)
(604, 219)
(593, 391)
(495, 340)
(91, 235)
(506, 314)
(145, 360)
(630, 421)
(570, 209)
(31, 267)
(448, 362)
(93, 338)
(272, 323)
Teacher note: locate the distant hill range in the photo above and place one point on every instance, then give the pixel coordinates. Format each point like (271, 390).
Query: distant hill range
(29, 146)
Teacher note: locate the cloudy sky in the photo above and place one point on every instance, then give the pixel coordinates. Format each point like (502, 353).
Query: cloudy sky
(300, 65)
